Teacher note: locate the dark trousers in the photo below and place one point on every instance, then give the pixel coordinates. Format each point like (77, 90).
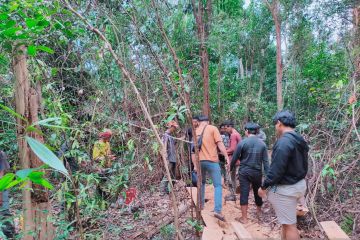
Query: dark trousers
(247, 177)
(165, 183)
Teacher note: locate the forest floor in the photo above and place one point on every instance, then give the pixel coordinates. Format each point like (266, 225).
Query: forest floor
(151, 217)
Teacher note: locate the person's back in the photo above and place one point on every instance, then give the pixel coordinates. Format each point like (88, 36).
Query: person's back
(290, 152)
(210, 140)
(253, 152)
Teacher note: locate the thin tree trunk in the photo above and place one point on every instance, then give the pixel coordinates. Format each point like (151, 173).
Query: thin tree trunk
(219, 85)
(22, 87)
(261, 83)
(274, 9)
(241, 66)
(202, 18)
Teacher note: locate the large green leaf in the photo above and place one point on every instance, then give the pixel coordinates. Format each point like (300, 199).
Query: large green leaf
(45, 155)
(24, 173)
(31, 50)
(6, 180)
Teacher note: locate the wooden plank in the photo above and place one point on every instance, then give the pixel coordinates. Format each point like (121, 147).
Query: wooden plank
(193, 193)
(333, 231)
(230, 237)
(212, 234)
(240, 231)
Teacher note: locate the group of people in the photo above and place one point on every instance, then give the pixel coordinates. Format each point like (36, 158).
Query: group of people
(246, 159)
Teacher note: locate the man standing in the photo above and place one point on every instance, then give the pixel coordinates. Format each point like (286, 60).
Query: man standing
(169, 143)
(253, 156)
(285, 183)
(235, 139)
(209, 161)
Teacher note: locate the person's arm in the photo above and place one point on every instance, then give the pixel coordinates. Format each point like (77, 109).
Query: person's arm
(222, 149)
(233, 143)
(280, 158)
(193, 159)
(265, 160)
(220, 144)
(236, 156)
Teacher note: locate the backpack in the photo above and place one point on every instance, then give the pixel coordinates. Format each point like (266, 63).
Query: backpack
(200, 139)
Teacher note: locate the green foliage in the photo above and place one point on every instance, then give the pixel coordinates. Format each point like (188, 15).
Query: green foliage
(167, 232)
(195, 224)
(46, 156)
(347, 223)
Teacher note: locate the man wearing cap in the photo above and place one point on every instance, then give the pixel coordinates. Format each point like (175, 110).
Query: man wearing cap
(235, 139)
(101, 151)
(169, 143)
(209, 161)
(285, 183)
(252, 153)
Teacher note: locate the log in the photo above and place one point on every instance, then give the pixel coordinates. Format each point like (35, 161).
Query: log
(333, 231)
(240, 231)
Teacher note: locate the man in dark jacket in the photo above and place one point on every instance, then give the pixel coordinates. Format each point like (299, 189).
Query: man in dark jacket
(285, 182)
(253, 156)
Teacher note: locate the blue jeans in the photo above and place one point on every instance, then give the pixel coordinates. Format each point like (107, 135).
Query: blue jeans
(213, 169)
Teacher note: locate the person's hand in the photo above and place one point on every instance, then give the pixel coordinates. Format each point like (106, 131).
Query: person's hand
(262, 193)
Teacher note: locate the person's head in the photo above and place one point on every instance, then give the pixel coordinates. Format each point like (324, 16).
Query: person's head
(105, 135)
(195, 121)
(172, 126)
(251, 129)
(203, 119)
(229, 126)
(284, 121)
(222, 129)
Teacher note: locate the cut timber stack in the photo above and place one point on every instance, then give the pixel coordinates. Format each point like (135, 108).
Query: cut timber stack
(333, 231)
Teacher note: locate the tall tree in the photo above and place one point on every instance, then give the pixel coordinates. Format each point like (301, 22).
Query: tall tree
(35, 203)
(202, 13)
(274, 8)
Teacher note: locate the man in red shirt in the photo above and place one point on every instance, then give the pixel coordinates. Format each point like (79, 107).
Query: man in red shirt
(235, 139)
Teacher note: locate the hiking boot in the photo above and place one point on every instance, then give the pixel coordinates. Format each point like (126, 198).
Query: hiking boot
(230, 197)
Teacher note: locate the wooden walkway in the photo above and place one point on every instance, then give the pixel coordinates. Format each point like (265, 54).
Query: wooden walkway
(231, 229)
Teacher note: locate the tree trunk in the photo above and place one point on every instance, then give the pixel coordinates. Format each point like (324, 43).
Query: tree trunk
(35, 204)
(22, 86)
(241, 66)
(274, 9)
(261, 83)
(357, 42)
(202, 18)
